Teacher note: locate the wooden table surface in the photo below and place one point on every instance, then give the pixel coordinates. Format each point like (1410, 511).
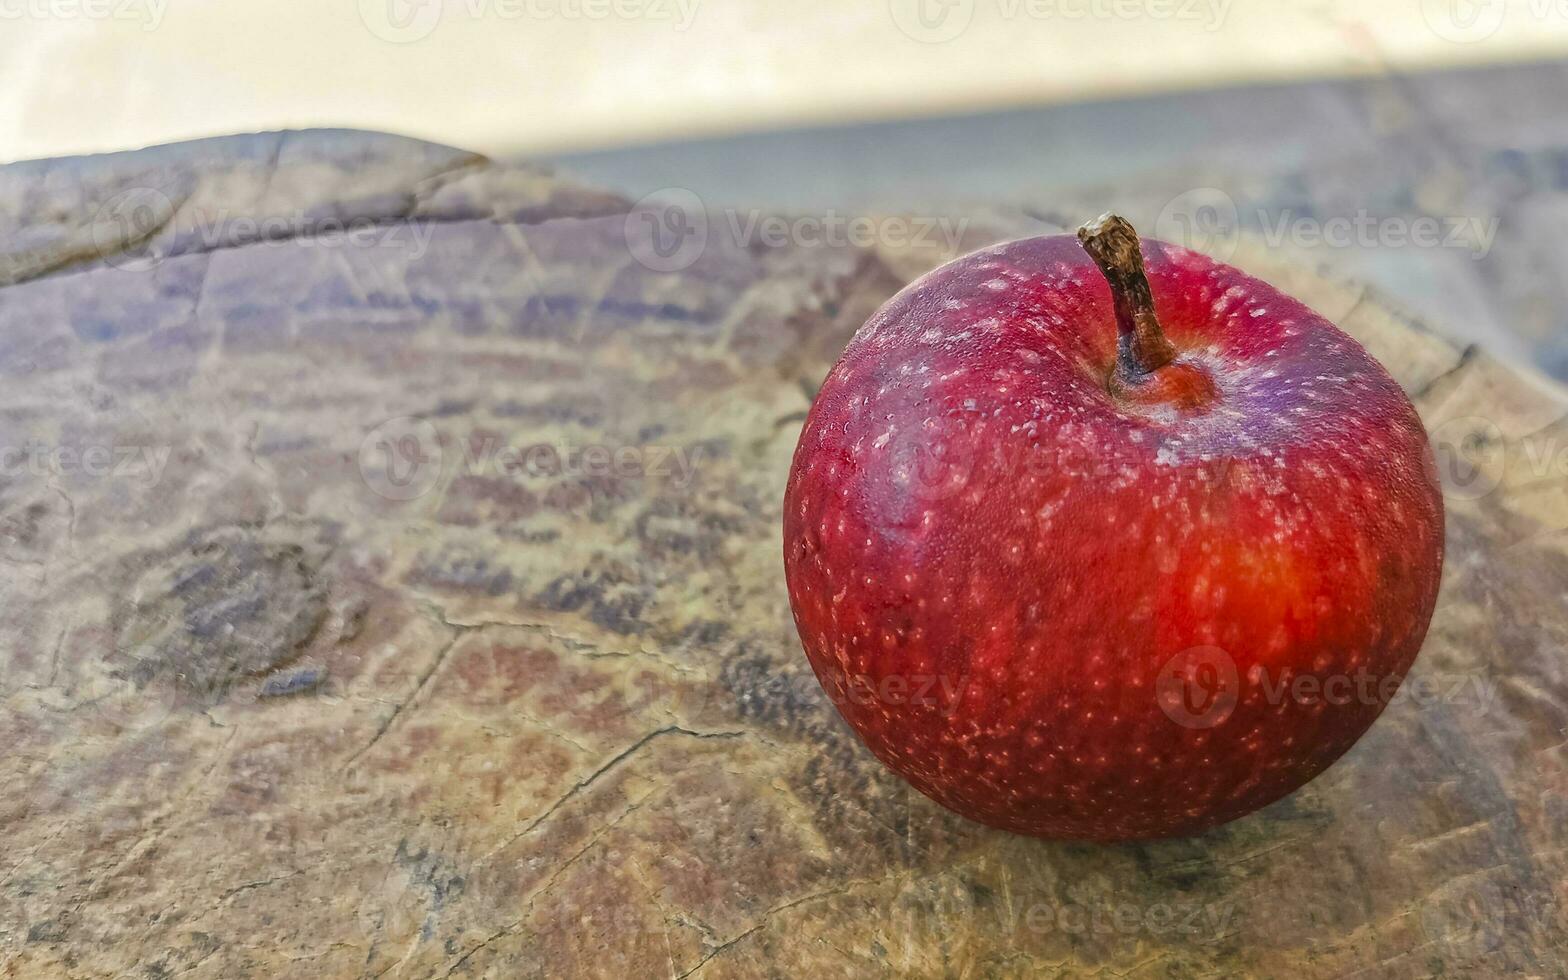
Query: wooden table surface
(389, 542)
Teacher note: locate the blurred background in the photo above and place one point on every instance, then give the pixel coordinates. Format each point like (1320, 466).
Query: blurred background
(1420, 145)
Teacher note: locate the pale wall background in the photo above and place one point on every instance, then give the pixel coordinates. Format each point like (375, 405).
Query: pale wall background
(543, 76)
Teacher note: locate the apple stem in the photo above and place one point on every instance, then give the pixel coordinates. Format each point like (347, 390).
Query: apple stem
(1141, 345)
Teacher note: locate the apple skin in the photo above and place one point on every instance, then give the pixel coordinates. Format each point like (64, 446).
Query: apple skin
(1073, 610)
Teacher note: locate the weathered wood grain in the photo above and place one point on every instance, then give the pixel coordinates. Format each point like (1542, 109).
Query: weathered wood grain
(314, 679)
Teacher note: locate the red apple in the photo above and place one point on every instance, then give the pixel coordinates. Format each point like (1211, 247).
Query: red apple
(1080, 571)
